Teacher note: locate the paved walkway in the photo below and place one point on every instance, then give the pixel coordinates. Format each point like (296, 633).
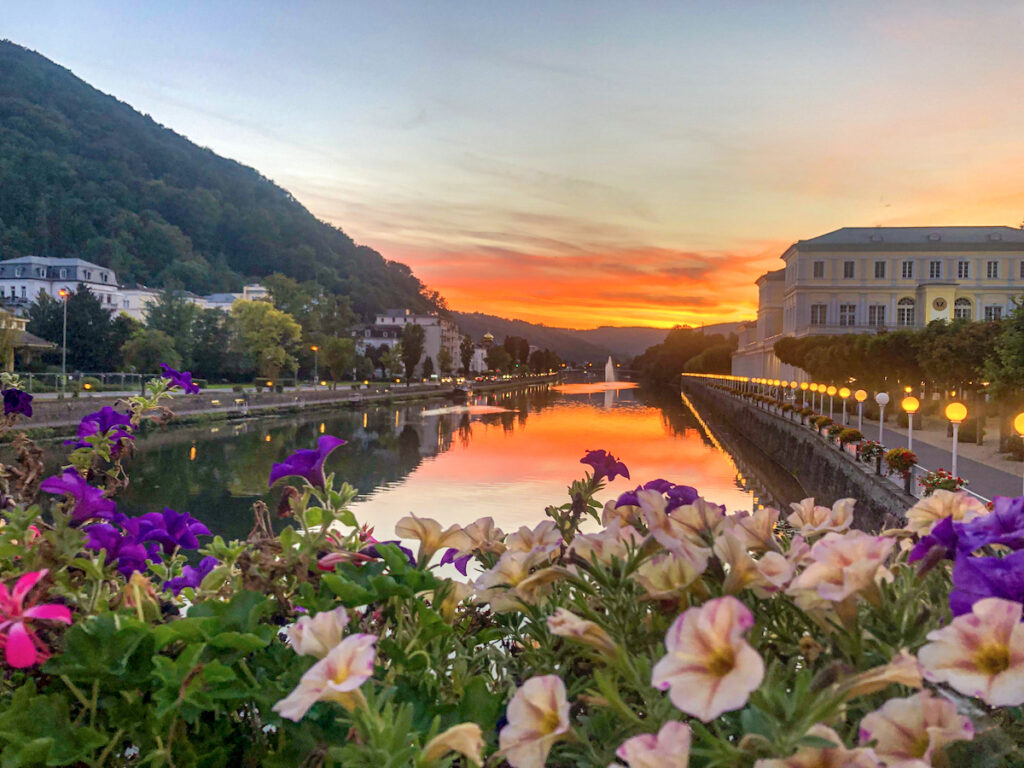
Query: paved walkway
(988, 472)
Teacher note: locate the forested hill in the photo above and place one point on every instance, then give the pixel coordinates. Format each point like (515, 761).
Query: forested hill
(83, 174)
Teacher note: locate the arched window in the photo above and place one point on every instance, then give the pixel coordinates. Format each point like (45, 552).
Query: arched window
(962, 309)
(905, 312)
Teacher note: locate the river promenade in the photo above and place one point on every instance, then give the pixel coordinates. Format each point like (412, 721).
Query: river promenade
(54, 414)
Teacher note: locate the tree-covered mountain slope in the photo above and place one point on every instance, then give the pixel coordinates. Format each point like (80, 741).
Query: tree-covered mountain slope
(83, 174)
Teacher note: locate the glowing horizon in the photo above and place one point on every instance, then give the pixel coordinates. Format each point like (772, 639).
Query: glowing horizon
(581, 165)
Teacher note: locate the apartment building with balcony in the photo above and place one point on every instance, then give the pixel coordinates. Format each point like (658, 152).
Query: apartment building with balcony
(872, 279)
(438, 333)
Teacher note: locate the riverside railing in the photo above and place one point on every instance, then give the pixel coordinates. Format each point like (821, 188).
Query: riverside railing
(783, 400)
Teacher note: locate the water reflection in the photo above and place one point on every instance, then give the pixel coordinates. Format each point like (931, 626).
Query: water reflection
(455, 464)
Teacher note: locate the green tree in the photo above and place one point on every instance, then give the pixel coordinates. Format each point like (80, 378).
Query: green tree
(498, 359)
(413, 337)
(444, 361)
(147, 348)
(212, 351)
(717, 359)
(466, 348)
(176, 316)
(89, 329)
(339, 355)
(267, 336)
(428, 367)
(391, 360)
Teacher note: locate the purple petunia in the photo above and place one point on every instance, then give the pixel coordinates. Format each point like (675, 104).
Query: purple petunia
(307, 463)
(371, 551)
(605, 465)
(678, 495)
(181, 379)
(104, 421)
(975, 578)
(941, 543)
(191, 577)
(1003, 525)
(122, 546)
(171, 529)
(460, 563)
(16, 401)
(89, 501)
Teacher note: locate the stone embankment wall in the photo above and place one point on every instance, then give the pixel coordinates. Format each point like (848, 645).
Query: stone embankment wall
(824, 471)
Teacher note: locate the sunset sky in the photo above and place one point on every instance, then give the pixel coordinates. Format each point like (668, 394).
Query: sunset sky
(581, 163)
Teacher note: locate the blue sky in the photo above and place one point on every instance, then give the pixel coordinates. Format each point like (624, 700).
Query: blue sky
(581, 163)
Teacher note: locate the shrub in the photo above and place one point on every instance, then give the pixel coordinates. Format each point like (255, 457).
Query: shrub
(900, 461)
(822, 421)
(850, 435)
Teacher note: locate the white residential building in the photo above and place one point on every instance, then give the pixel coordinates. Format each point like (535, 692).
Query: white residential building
(23, 279)
(872, 279)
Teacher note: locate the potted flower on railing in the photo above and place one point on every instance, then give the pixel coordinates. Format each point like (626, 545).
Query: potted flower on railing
(821, 423)
(871, 452)
(834, 430)
(900, 461)
(850, 436)
(940, 479)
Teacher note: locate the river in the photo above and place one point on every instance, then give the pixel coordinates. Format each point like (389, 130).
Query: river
(452, 466)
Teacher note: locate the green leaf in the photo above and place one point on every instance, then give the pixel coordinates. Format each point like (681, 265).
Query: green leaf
(238, 641)
(314, 516)
(350, 593)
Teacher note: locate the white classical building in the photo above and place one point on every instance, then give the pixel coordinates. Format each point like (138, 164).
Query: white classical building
(439, 333)
(871, 279)
(23, 279)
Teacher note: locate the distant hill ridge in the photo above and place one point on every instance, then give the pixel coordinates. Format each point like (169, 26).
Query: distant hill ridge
(83, 174)
(573, 344)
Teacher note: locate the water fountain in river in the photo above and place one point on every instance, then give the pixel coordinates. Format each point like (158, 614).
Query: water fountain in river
(609, 370)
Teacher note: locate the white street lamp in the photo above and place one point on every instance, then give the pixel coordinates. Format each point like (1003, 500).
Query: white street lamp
(844, 393)
(956, 413)
(910, 405)
(860, 396)
(883, 400)
(64, 293)
(831, 392)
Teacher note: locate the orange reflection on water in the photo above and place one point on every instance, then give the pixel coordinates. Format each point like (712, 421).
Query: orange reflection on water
(597, 386)
(512, 474)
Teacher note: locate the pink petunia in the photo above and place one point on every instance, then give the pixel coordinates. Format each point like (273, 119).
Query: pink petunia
(22, 647)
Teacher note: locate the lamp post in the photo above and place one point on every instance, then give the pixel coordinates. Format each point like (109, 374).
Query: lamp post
(910, 405)
(844, 392)
(63, 293)
(316, 366)
(883, 400)
(803, 388)
(860, 396)
(1018, 424)
(814, 390)
(956, 413)
(831, 391)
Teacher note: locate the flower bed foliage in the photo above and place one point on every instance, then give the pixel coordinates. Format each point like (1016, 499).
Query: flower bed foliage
(940, 479)
(900, 461)
(654, 629)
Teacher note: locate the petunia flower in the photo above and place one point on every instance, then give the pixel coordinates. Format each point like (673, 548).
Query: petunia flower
(191, 576)
(914, 729)
(89, 501)
(122, 546)
(903, 669)
(497, 585)
(171, 529)
(941, 542)
(605, 465)
(741, 568)
(318, 635)
(307, 463)
(837, 756)
(613, 542)
(465, 739)
(106, 421)
(17, 401)
(709, 668)
(845, 565)
(181, 379)
(371, 552)
(484, 536)
(451, 557)
(670, 748)
(981, 653)
(677, 495)
(755, 530)
(958, 505)
(809, 518)
(430, 536)
(671, 573)
(336, 677)
(570, 626)
(1003, 525)
(22, 647)
(544, 535)
(538, 716)
(975, 578)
